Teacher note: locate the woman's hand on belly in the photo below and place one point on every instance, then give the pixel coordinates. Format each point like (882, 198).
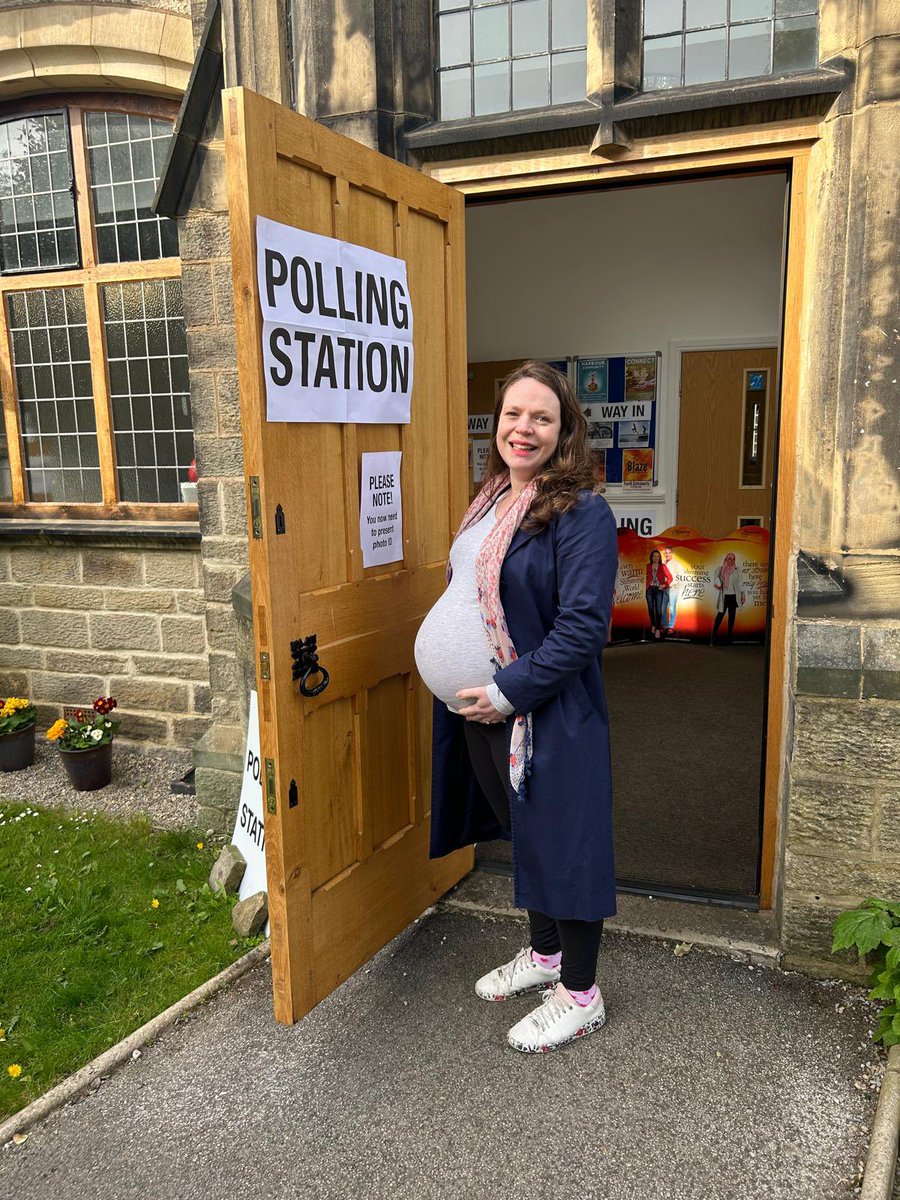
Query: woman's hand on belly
(480, 709)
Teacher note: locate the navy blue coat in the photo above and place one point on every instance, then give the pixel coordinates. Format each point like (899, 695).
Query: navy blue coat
(556, 588)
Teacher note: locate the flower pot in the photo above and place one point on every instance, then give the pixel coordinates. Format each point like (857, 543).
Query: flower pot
(88, 770)
(17, 749)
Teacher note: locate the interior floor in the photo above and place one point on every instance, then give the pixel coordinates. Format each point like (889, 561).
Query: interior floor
(686, 734)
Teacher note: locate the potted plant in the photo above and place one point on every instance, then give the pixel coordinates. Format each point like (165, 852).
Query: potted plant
(189, 489)
(17, 718)
(85, 745)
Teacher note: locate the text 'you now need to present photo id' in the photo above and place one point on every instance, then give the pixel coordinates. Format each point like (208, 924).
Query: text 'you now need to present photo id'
(337, 340)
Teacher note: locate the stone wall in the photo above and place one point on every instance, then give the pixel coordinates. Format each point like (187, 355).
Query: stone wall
(841, 808)
(205, 245)
(78, 621)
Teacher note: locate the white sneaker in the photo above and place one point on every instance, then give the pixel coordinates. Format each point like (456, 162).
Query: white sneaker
(515, 978)
(559, 1020)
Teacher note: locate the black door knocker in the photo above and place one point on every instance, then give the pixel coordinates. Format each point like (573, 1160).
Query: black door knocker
(306, 663)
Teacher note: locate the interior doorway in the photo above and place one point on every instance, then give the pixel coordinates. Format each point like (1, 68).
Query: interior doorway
(690, 272)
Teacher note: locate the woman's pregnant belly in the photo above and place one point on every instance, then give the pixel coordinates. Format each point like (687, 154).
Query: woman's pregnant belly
(452, 649)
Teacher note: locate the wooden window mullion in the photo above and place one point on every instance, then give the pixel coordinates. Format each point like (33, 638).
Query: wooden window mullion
(82, 188)
(102, 405)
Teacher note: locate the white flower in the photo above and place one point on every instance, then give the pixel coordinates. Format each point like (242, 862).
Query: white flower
(107, 724)
(96, 734)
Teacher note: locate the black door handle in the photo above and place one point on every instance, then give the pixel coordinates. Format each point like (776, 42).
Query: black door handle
(306, 664)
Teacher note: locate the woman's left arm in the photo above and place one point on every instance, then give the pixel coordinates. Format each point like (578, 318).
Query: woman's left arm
(586, 564)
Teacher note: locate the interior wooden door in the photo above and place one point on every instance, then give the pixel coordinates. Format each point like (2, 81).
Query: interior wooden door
(727, 438)
(347, 773)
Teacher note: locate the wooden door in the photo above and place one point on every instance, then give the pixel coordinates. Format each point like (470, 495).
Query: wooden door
(347, 773)
(727, 439)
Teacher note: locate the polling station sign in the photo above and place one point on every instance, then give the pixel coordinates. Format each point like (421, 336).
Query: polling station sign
(337, 340)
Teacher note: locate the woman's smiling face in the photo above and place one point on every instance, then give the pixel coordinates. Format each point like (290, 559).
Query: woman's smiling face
(528, 428)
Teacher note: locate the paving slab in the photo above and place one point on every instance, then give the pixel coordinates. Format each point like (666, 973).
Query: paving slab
(713, 1080)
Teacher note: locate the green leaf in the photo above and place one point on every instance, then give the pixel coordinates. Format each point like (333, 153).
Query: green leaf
(889, 1039)
(883, 991)
(179, 885)
(861, 928)
(892, 958)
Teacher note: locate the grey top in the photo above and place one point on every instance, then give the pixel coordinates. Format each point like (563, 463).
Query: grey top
(452, 648)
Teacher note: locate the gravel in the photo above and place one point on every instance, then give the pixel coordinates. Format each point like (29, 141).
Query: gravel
(141, 784)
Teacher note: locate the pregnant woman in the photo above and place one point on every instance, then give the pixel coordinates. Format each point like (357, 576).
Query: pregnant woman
(511, 652)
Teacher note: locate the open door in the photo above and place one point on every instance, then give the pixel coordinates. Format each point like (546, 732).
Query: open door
(346, 773)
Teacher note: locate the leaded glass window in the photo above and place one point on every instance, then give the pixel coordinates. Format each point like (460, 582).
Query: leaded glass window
(148, 382)
(37, 208)
(688, 42)
(517, 54)
(126, 153)
(96, 407)
(56, 401)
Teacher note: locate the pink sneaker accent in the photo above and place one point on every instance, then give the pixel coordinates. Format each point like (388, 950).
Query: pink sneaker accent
(550, 961)
(584, 998)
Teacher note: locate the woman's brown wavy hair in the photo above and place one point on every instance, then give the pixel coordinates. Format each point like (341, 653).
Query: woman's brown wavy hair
(569, 469)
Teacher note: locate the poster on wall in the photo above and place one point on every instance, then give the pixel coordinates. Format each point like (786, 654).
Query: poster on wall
(601, 435)
(591, 378)
(637, 470)
(717, 588)
(337, 337)
(634, 433)
(640, 377)
(381, 509)
(618, 395)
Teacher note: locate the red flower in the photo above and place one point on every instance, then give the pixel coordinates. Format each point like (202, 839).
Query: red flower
(192, 471)
(104, 705)
(79, 714)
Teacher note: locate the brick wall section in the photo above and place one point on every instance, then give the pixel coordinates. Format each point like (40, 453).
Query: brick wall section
(77, 622)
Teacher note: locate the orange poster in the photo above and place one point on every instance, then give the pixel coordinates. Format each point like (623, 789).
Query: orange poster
(637, 469)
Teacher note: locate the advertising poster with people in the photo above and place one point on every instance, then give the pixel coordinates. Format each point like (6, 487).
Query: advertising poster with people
(680, 584)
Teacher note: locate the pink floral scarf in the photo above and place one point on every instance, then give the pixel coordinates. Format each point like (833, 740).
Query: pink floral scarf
(487, 576)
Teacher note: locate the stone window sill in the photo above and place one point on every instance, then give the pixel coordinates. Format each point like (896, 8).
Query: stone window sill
(124, 534)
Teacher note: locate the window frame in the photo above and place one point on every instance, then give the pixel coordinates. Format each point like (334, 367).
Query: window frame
(91, 277)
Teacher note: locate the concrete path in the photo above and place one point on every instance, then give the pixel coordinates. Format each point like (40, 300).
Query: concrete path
(713, 1080)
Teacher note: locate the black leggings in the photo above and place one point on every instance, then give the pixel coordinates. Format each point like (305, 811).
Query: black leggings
(730, 603)
(579, 941)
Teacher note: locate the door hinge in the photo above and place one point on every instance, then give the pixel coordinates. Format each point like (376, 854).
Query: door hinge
(255, 507)
(270, 784)
(265, 668)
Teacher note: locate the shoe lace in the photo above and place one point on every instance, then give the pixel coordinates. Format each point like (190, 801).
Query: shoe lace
(509, 970)
(554, 1006)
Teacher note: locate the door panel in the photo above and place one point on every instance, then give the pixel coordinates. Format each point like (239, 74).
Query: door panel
(349, 770)
(711, 497)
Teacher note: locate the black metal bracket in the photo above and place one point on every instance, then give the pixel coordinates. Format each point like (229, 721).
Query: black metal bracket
(306, 663)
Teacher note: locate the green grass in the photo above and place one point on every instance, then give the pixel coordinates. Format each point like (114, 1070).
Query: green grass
(85, 958)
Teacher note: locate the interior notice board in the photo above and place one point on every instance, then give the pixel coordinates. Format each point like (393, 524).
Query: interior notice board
(618, 396)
